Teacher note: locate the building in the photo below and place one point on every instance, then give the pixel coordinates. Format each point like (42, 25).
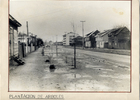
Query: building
(22, 37)
(68, 38)
(119, 38)
(102, 39)
(50, 43)
(79, 41)
(23, 48)
(13, 37)
(40, 43)
(27, 44)
(58, 43)
(32, 42)
(90, 39)
(13, 42)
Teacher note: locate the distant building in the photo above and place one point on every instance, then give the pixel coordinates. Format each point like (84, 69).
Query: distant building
(119, 38)
(22, 37)
(90, 39)
(23, 44)
(79, 41)
(27, 43)
(13, 36)
(50, 42)
(32, 42)
(58, 43)
(102, 39)
(41, 43)
(68, 38)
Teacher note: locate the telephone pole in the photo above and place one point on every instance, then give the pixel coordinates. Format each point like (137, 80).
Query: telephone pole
(27, 28)
(83, 31)
(74, 47)
(56, 46)
(27, 36)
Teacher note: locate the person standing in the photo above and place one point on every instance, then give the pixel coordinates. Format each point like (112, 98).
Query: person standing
(43, 51)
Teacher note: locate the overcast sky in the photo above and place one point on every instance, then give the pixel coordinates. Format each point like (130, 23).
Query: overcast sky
(47, 19)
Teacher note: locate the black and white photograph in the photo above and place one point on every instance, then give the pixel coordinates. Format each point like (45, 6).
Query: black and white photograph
(70, 46)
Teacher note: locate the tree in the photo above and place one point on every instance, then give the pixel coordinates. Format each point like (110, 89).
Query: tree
(40, 42)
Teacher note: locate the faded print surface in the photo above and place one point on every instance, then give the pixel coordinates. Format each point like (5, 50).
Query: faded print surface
(70, 46)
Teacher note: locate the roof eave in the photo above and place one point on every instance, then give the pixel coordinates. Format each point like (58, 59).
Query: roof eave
(14, 21)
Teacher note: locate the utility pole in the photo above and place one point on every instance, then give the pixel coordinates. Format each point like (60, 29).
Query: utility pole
(74, 48)
(27, 28)
(56, 46)
(27, 36)
(83, 31)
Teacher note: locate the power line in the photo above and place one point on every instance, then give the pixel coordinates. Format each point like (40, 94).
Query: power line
(42, 15)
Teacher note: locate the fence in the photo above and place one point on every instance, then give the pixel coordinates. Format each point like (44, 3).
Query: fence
(22, 50)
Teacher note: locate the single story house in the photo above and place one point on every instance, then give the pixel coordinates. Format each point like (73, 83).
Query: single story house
(79, 41)
(102, 39)
(13, 37)
(119, 38)
(90, 39)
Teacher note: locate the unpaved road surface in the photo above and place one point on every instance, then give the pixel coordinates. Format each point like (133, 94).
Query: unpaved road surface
(91, 74)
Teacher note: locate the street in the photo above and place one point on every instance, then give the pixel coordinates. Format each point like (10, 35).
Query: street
(115, 58)
(94, 71)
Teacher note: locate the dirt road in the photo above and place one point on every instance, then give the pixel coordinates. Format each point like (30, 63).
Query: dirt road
(90, 75)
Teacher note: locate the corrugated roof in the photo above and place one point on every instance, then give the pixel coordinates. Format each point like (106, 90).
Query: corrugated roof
(114, 31)
(93, 33)
(103, 33)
